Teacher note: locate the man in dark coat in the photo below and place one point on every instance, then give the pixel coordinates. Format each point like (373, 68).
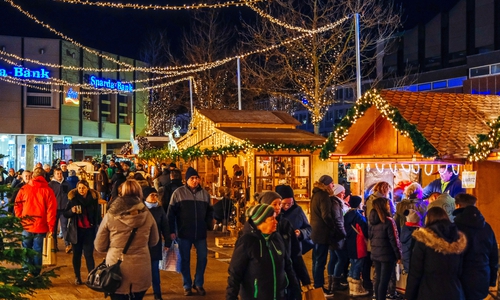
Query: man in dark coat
(448, 183)
(168, 190)
(61, 190)
(327, 228)
(480, 262)
(190, 215)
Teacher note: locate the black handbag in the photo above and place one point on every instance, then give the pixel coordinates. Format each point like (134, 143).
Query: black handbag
(71, 234)
(107, 279)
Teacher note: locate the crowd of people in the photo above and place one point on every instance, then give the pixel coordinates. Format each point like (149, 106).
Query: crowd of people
(442, 242)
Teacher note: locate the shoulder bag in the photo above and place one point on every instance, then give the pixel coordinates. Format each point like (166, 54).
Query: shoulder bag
(107, 279)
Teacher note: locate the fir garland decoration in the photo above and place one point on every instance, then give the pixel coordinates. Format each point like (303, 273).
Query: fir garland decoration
(482, 148)
(391, 113)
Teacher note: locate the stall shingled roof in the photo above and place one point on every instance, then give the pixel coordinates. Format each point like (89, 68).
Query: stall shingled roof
(448, 122)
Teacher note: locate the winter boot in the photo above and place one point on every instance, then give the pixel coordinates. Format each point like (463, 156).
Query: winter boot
(358, 289)
(337, 286)
(351, 285)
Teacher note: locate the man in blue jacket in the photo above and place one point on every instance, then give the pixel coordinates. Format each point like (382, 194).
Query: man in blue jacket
(190, 215)
(448, 183)
(480, 263)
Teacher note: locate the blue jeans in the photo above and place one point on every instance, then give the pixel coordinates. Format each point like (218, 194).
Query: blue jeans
(319, 255)
(383, 272)
(63, 221)
(156, 277)
(34, 241)
(337, 263)
(356, 267)
(201, 261)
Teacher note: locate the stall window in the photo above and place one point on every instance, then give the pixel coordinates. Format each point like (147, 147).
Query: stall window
(275, 170)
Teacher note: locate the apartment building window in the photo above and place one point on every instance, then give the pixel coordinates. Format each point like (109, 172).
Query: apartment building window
(37, 96)
(124, 109)
(89, 107)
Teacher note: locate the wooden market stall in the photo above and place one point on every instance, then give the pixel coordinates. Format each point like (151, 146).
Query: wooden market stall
(254, 151)
(405, 135)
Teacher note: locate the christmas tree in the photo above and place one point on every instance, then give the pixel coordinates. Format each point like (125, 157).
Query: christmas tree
(14, 272)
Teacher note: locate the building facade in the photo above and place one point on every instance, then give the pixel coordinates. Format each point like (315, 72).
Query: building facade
(61, 101)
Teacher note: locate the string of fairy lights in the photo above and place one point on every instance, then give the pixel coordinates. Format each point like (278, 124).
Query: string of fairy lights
(161, 7)
(170, 70)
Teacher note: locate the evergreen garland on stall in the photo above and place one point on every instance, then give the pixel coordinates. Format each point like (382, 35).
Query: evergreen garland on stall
(391, 113)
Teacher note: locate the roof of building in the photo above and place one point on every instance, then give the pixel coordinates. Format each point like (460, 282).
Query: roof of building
(450, 122)
(259, 136)
(247, 117)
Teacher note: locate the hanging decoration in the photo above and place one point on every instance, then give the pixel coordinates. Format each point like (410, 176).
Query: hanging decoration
(428, 173)
(485, 142)
(233, 149)
(392, 114)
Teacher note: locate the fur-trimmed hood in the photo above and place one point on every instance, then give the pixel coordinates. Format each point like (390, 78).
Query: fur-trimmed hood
(74, 192)
(318, 186)
(432, 240)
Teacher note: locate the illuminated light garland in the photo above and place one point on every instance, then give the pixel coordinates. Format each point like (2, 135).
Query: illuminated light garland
(485, 143)
(380, 171)
(425, 170)
(160, 7)
(413, 170)
(205, 65)
(406, 170)
(390, 113)
(368, 168)
(85, 69)
(453, 169)
(276, 21)
(395, 169)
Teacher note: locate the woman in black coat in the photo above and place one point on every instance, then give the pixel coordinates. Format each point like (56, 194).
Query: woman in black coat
(83, 209)
(436, 262)
(386, 249)
(260, 267)
(156, 251)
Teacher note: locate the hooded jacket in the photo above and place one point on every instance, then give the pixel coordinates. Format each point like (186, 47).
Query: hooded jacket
(37, 202)
(259, 268)
(160, 218)
(454, 187)
(480, 264)
(436, 263)
(326, 222)
(355, 224)
(446, 202)
(125, 214)
(411, 203)
(190, 213)
(383, 238)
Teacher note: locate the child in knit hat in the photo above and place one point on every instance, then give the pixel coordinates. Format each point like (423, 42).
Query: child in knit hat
(413, 222)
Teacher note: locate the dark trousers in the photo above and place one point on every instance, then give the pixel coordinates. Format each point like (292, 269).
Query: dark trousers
(365, 272)
(319, 256)
(383, 272)
(133, 296)
(85, 245)
(60, 219)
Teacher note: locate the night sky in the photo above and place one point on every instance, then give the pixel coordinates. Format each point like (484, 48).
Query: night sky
(123, 31)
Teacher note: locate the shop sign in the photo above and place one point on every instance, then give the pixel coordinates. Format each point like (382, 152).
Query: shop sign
(21, 72)
(43, 140)
(111, 84)
(352, 175)
(469, 179)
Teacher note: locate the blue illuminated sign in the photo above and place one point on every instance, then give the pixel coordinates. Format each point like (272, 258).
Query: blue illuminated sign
(110, 84)
(20, 72)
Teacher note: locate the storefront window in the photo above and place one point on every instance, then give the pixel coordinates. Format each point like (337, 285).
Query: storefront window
(275, 170)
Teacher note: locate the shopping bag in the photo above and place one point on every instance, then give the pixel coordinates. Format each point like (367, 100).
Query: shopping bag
(49, 257)
(171, 259)
(314, 294)
(71, 234)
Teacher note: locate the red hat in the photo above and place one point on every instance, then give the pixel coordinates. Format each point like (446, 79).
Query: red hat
(62, 162)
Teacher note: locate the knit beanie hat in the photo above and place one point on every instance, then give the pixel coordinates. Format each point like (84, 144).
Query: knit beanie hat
(191, 172)
(338, 188)
(412, 216)
(325, 179)
(269, 197)
(354, 201)
(259, 213)
(285, 191)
